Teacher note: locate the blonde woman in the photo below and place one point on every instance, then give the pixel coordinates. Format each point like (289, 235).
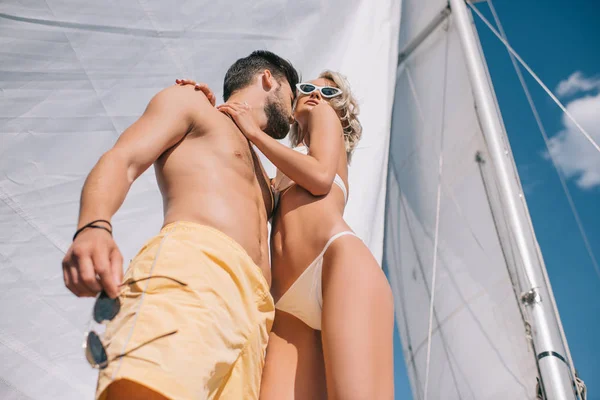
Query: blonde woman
(332, 335)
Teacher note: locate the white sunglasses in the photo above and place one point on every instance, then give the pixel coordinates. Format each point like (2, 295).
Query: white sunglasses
(326, 91)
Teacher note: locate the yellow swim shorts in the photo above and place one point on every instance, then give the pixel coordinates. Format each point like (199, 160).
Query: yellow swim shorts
(218, 304)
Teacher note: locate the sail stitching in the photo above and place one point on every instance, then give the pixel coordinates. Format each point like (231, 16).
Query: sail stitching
(437, 219)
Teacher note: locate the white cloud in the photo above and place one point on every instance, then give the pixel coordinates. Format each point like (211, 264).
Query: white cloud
(574, 154)
(577, 83)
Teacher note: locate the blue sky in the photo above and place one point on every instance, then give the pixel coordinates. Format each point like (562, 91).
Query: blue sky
(559, 39)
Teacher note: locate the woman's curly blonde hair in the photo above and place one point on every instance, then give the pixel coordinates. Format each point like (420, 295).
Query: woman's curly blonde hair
(346, 107)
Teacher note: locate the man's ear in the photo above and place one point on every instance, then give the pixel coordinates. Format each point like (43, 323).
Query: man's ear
(268, 81)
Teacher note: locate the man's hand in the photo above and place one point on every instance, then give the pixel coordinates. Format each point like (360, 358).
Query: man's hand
(203, 87)
(92, 263)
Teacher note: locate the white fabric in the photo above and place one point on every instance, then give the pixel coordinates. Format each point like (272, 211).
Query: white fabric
(479, 348)
(74, 74)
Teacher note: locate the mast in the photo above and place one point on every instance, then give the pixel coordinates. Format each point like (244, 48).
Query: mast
(553, 365)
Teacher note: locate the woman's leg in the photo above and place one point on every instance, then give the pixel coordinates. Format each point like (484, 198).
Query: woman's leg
(358, 323)
(294, 366)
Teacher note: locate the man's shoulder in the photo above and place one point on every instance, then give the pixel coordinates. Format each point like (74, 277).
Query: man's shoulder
(188, 102)
(182, 96)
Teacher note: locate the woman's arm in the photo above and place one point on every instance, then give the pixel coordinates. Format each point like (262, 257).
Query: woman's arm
(314, 172)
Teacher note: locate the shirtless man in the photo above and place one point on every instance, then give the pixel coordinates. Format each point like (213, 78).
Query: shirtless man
(195, 308)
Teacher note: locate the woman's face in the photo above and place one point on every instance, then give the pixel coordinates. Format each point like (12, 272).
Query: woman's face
(306, 102)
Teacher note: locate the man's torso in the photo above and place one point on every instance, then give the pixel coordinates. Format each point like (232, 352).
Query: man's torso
(214, 178)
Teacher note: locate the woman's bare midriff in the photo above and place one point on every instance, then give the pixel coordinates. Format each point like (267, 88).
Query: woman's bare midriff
(302, 225)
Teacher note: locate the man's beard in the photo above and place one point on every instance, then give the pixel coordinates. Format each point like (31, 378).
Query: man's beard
(278, 124)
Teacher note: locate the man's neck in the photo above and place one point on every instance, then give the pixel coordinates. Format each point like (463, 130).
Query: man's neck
(256, 103)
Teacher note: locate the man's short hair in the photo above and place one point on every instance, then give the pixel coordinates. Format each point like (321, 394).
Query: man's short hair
(241, 73)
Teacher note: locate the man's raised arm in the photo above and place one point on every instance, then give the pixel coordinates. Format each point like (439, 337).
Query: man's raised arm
(165, 122)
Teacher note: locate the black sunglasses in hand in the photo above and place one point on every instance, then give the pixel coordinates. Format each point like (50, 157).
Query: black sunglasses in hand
(105, 310)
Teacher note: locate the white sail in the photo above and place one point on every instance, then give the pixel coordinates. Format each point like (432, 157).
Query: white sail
(479, 342)
(74, 75)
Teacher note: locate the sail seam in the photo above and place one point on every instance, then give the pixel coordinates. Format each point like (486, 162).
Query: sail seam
(437, 218)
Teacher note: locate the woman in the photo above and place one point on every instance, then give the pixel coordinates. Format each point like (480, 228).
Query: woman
(332, 336)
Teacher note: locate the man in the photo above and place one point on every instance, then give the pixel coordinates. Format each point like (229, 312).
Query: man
(195, 308)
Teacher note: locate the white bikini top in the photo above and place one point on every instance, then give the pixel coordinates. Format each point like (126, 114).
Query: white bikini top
(282, 182)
